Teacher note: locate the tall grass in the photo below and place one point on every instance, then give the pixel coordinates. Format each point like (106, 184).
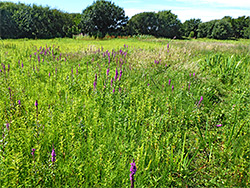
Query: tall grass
(76, 113)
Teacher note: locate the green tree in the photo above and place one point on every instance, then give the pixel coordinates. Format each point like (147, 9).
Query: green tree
(169, 25)
(191, 26)
(145, 23)
(103, 17)
(222, 30)
(205, 29)
(8, 26)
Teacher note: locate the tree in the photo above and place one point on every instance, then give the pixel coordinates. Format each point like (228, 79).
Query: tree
(8, 26)
(191, 27)
(103, 17)
(205, 29)
(161, 24)
(145, 23)
(222, 30)
(169, 25)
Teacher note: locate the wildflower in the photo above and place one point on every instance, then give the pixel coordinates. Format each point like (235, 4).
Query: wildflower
(120, 75)
(169, 81)
(33, 151)
(133, 171)
(114, 90)
(111, 82)
(219, 125)
(94, 85)
(36, 104)
(172, 87)
(200, 101)
(8, 126)
(19, 102)
(116, 74)
(53, 155)
(194, 74)
(107, 72)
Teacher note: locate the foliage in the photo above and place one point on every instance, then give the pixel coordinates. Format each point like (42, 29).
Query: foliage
(161, 24)
(205, 29)
(191, 26)
(222, 30)
(103, 17)
(25, 21)
(143, 24)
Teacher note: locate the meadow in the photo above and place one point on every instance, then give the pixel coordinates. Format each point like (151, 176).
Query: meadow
(75, 113)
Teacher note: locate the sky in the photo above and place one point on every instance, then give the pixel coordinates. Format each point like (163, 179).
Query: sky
(205, 10)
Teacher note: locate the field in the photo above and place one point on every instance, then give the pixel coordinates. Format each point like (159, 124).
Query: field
(75, 113)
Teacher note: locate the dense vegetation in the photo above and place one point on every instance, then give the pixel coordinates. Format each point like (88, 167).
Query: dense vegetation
(75, 113)
(104, 18)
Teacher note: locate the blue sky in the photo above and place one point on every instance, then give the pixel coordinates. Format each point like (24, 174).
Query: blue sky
(206, 10)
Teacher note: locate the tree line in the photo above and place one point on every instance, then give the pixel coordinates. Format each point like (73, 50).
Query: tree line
(105, 18)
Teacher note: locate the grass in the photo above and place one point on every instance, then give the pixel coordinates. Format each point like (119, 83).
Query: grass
(152, 111)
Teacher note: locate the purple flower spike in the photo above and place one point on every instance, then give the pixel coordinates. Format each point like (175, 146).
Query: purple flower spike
(116, 74)
(172, 87)
(22, 64)
(114, 90)
(200, 101)
(111, 82)
(94, 85)
(19, 102)
(107, 72)
(169, 81)
(53, 155)
(8, 126)
(120, 75)
(36, 104)
(49, 74)
(219, 125)
(133, 171)
(33, 151)
(194, 74)
(190, 74)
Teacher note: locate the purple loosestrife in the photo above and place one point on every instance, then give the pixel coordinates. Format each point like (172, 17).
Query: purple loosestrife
(172, 87)
(33, 151)
(111, 82)
(49, 74)
(107, 72)
(114, 90)
(133, 171)
(200, 101)
(169, 82)
(219, 125)
(120, 75)
(95, 82)
(53, 155)
(19, 102)
(116, 74)
(8, 126)
(194, 74)
(22, 64)
(36, 104)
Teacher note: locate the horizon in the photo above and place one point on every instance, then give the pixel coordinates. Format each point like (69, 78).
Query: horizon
(206, 10)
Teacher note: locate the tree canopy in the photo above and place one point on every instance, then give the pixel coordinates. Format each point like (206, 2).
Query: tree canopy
(103, 17)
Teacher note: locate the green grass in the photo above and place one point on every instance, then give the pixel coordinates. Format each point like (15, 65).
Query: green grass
(97, 132)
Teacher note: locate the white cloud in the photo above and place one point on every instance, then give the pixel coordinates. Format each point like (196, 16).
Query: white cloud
(229, 3)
